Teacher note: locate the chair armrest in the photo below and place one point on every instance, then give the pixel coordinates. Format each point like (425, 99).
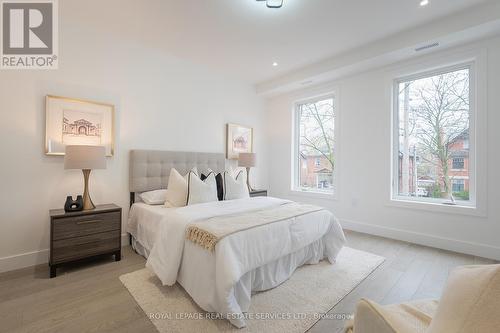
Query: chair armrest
(369, 318)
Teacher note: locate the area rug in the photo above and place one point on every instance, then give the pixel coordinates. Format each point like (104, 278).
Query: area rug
(292, 307)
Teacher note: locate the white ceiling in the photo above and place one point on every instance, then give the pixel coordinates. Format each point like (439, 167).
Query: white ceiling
(242, 38)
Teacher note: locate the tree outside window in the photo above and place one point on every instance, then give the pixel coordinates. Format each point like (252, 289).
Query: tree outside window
(315, 140)
(433, 144)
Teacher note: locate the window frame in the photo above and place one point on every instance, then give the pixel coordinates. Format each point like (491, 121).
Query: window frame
(461, 162)
(459, 182)
(295, 188)
(409, 201)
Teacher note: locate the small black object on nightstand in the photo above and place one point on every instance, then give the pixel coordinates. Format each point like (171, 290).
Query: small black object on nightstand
(258, 193)
(73, 205)
(80, 235)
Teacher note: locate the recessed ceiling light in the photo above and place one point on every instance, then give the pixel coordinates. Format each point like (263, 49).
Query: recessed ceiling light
(273, 3)
(275, 64)
(424, 3)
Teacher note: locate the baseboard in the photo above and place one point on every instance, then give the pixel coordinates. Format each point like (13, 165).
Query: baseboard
(24, 260)
(480, 250)
(125, 240)
(34, 258)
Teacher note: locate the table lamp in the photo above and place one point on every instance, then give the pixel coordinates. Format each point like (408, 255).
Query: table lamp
(247, 160)
(85, 158)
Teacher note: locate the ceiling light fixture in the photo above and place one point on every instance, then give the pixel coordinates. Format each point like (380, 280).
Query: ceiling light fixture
(273, 3)
(424, 3)
(275, 64)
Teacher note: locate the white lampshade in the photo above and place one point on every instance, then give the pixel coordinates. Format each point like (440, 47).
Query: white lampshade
(85, 157)
(247, 160)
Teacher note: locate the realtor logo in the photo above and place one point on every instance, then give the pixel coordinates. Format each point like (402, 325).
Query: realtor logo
(29, 34)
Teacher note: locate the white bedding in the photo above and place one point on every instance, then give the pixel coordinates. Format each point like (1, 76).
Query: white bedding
(257, 259)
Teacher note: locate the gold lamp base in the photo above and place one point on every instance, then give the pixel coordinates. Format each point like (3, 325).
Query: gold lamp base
(87, 201)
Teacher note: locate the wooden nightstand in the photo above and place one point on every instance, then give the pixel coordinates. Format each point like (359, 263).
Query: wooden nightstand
(80, 235)
(258, 193)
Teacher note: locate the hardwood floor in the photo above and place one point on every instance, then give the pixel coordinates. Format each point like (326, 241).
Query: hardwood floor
(89, 297)
(410, 272)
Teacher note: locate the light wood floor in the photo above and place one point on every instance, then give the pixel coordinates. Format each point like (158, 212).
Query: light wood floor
(89, 297)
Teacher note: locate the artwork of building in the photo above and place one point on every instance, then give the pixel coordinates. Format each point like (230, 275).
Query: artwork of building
(81, 127)
(240, 143)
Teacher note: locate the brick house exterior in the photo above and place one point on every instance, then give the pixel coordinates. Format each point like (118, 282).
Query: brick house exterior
(458, 168)
(315, 172)
(458, 165)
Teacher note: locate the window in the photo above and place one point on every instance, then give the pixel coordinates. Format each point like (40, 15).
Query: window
(458, 186)
(458, 163)
(314, 141)
(432, 144)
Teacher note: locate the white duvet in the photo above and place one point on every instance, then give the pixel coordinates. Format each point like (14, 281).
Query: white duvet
(223, 281)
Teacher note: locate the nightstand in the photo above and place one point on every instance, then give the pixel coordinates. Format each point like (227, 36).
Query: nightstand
(80, 235)
(258, 193)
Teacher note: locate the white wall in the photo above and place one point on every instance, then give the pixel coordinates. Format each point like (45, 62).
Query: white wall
(363, 163)
(161, 103)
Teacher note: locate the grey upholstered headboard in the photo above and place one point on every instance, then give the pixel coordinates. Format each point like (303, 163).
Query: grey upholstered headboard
(149, 169)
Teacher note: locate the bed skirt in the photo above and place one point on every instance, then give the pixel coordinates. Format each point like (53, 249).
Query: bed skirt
(260, 279)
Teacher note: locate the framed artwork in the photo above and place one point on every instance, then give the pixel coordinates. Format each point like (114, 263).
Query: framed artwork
(78, 122)
(239, 140)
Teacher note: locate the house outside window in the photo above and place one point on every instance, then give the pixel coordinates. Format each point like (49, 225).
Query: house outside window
(431, 146)
(458, 186)
(314, 142)
(458, 163)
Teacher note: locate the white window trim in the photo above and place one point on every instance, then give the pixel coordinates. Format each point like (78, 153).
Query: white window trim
(477, 59)
(472, 91)
(296, 165)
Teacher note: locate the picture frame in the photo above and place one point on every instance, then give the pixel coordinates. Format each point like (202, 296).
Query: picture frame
(72, 121)
(239, 139)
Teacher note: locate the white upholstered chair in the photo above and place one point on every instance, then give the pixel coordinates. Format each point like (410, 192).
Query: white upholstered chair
(470, 303)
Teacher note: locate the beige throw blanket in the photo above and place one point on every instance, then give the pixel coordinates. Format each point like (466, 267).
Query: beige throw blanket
(210, 231)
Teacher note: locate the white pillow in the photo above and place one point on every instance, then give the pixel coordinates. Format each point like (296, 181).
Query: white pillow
(470, 301)
(195, 170)
(235, 187)
(235, 171)
(201, 191)
(177, 189)
(157, 197)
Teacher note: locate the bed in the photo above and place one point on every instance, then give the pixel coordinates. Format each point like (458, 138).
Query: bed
(242, 263)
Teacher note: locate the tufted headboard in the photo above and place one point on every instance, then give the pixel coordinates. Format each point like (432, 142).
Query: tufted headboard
(149, 169)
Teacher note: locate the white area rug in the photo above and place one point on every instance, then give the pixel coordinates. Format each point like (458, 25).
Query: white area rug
(299, 302)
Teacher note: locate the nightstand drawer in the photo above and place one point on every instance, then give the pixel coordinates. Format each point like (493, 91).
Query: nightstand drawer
(84, 234)
(85, 246)
(75, 226)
